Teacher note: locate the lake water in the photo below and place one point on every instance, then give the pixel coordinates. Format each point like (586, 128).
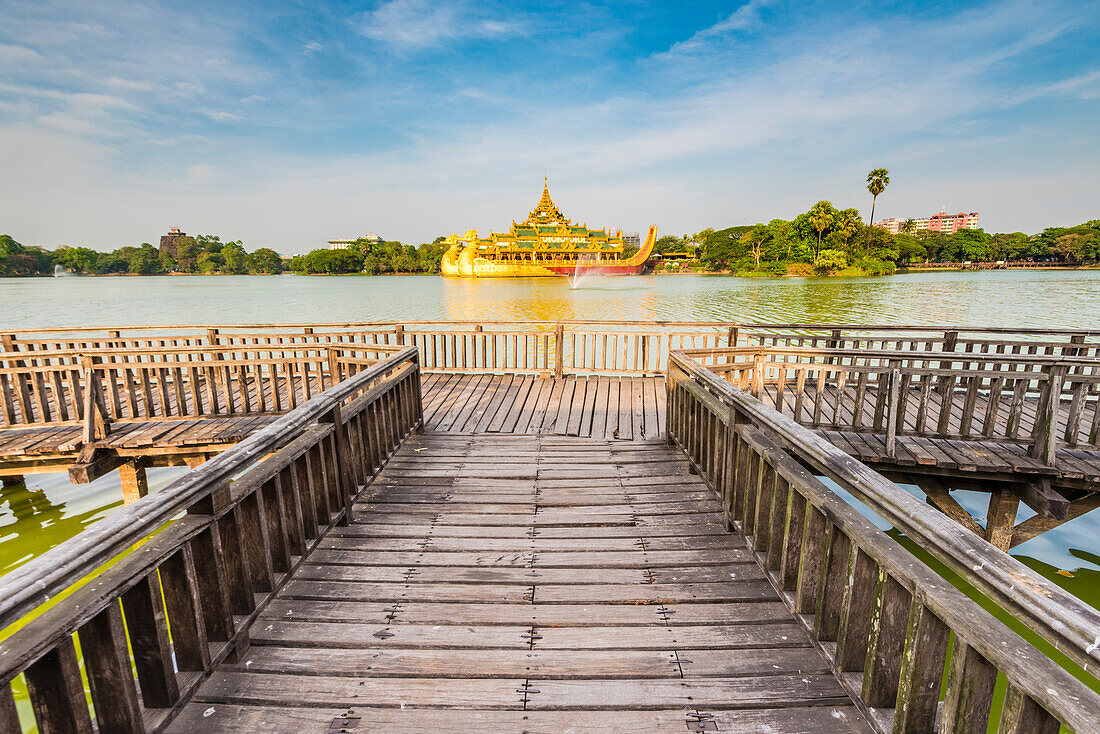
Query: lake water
(49, 509)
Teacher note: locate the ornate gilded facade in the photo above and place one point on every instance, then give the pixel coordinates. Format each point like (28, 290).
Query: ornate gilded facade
(545, 243)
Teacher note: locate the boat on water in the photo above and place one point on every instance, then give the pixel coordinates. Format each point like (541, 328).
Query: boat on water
(546, 243)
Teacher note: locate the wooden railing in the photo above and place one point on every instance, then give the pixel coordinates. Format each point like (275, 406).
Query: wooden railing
(167, 383)
(250, 515)
(1041, 401)
(561, 347)
(891, 627)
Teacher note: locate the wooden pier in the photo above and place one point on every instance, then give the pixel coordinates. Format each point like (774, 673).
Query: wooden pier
(529, 582)
(548, 533)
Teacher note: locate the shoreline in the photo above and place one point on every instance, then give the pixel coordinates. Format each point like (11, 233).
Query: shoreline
(899, 271)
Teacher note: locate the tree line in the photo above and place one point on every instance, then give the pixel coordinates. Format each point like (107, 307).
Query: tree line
(372, 258)
(201, 254)
(823, 240)
(826, 241)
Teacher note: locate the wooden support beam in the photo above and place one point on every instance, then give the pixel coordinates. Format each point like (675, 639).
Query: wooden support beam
(135, 484)
(92, 463)
(194, 462)
(1035, 526)
(1000, 520)
(941, 498)
(1043, 498)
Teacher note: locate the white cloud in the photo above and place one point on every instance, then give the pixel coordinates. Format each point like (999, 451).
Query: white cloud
(424, 23)
(220, 115)
(745, 18)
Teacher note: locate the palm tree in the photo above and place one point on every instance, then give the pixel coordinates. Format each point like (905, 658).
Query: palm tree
(877, 181)
(822, 215)
(909, 226)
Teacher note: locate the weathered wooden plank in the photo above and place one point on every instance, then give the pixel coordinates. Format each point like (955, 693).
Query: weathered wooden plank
(841, 719)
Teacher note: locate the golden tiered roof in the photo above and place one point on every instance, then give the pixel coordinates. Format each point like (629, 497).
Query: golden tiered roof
(547, 230)
(546, 211)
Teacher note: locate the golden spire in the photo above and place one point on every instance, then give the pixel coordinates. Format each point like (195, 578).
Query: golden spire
(546, 211)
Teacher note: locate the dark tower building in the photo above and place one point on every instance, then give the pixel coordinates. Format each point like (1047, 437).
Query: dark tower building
(169, 241)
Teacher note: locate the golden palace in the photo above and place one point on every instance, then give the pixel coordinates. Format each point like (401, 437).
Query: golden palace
(545, 243)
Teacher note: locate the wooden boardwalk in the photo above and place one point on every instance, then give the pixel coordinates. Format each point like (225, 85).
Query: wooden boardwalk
(836, 414)
(627, 408)
(528, 583)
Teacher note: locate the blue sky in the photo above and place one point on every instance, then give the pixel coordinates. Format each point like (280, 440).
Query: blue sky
(286, 124)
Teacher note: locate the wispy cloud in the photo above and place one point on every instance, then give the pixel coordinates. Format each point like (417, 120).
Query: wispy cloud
(745, 18)
(425, 23)
(403, 120)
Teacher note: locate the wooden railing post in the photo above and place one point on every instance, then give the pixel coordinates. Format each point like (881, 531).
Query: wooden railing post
(418, 397)
(346, 484)
(559, 350)
(399, 334)
(333, 367)
(893, 409)
(96, 423)
(759, 365)
(1044, 437)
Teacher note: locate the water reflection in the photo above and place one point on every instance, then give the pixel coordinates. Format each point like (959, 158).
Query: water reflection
(35, 523)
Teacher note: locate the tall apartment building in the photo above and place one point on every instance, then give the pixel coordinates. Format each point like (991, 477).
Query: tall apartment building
(942, 222)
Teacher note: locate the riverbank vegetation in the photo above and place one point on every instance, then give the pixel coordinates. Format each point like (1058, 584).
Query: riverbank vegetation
(372, 258)
(827, 241)
(823, 240)
(201, 254)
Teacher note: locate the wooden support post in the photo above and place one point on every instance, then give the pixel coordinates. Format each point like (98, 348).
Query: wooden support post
(1000, 520)
(559, 350)
(135, 484)
(940, 497)
(399, 334)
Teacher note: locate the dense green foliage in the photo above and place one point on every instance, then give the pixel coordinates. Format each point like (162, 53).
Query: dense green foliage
(373, 258)
(202, 254)
(15, 259)
(823, 240)
(1064, 245)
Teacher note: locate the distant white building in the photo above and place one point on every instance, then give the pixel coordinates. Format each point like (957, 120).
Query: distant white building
(345, 244)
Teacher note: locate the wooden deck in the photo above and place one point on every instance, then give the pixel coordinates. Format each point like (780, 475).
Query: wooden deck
(836, 414)
(611, 408)
(626, 408)
(541, 583)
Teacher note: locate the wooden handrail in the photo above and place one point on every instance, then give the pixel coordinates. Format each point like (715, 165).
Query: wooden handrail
(200, 329)
(1057, 616)
(25, 588)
